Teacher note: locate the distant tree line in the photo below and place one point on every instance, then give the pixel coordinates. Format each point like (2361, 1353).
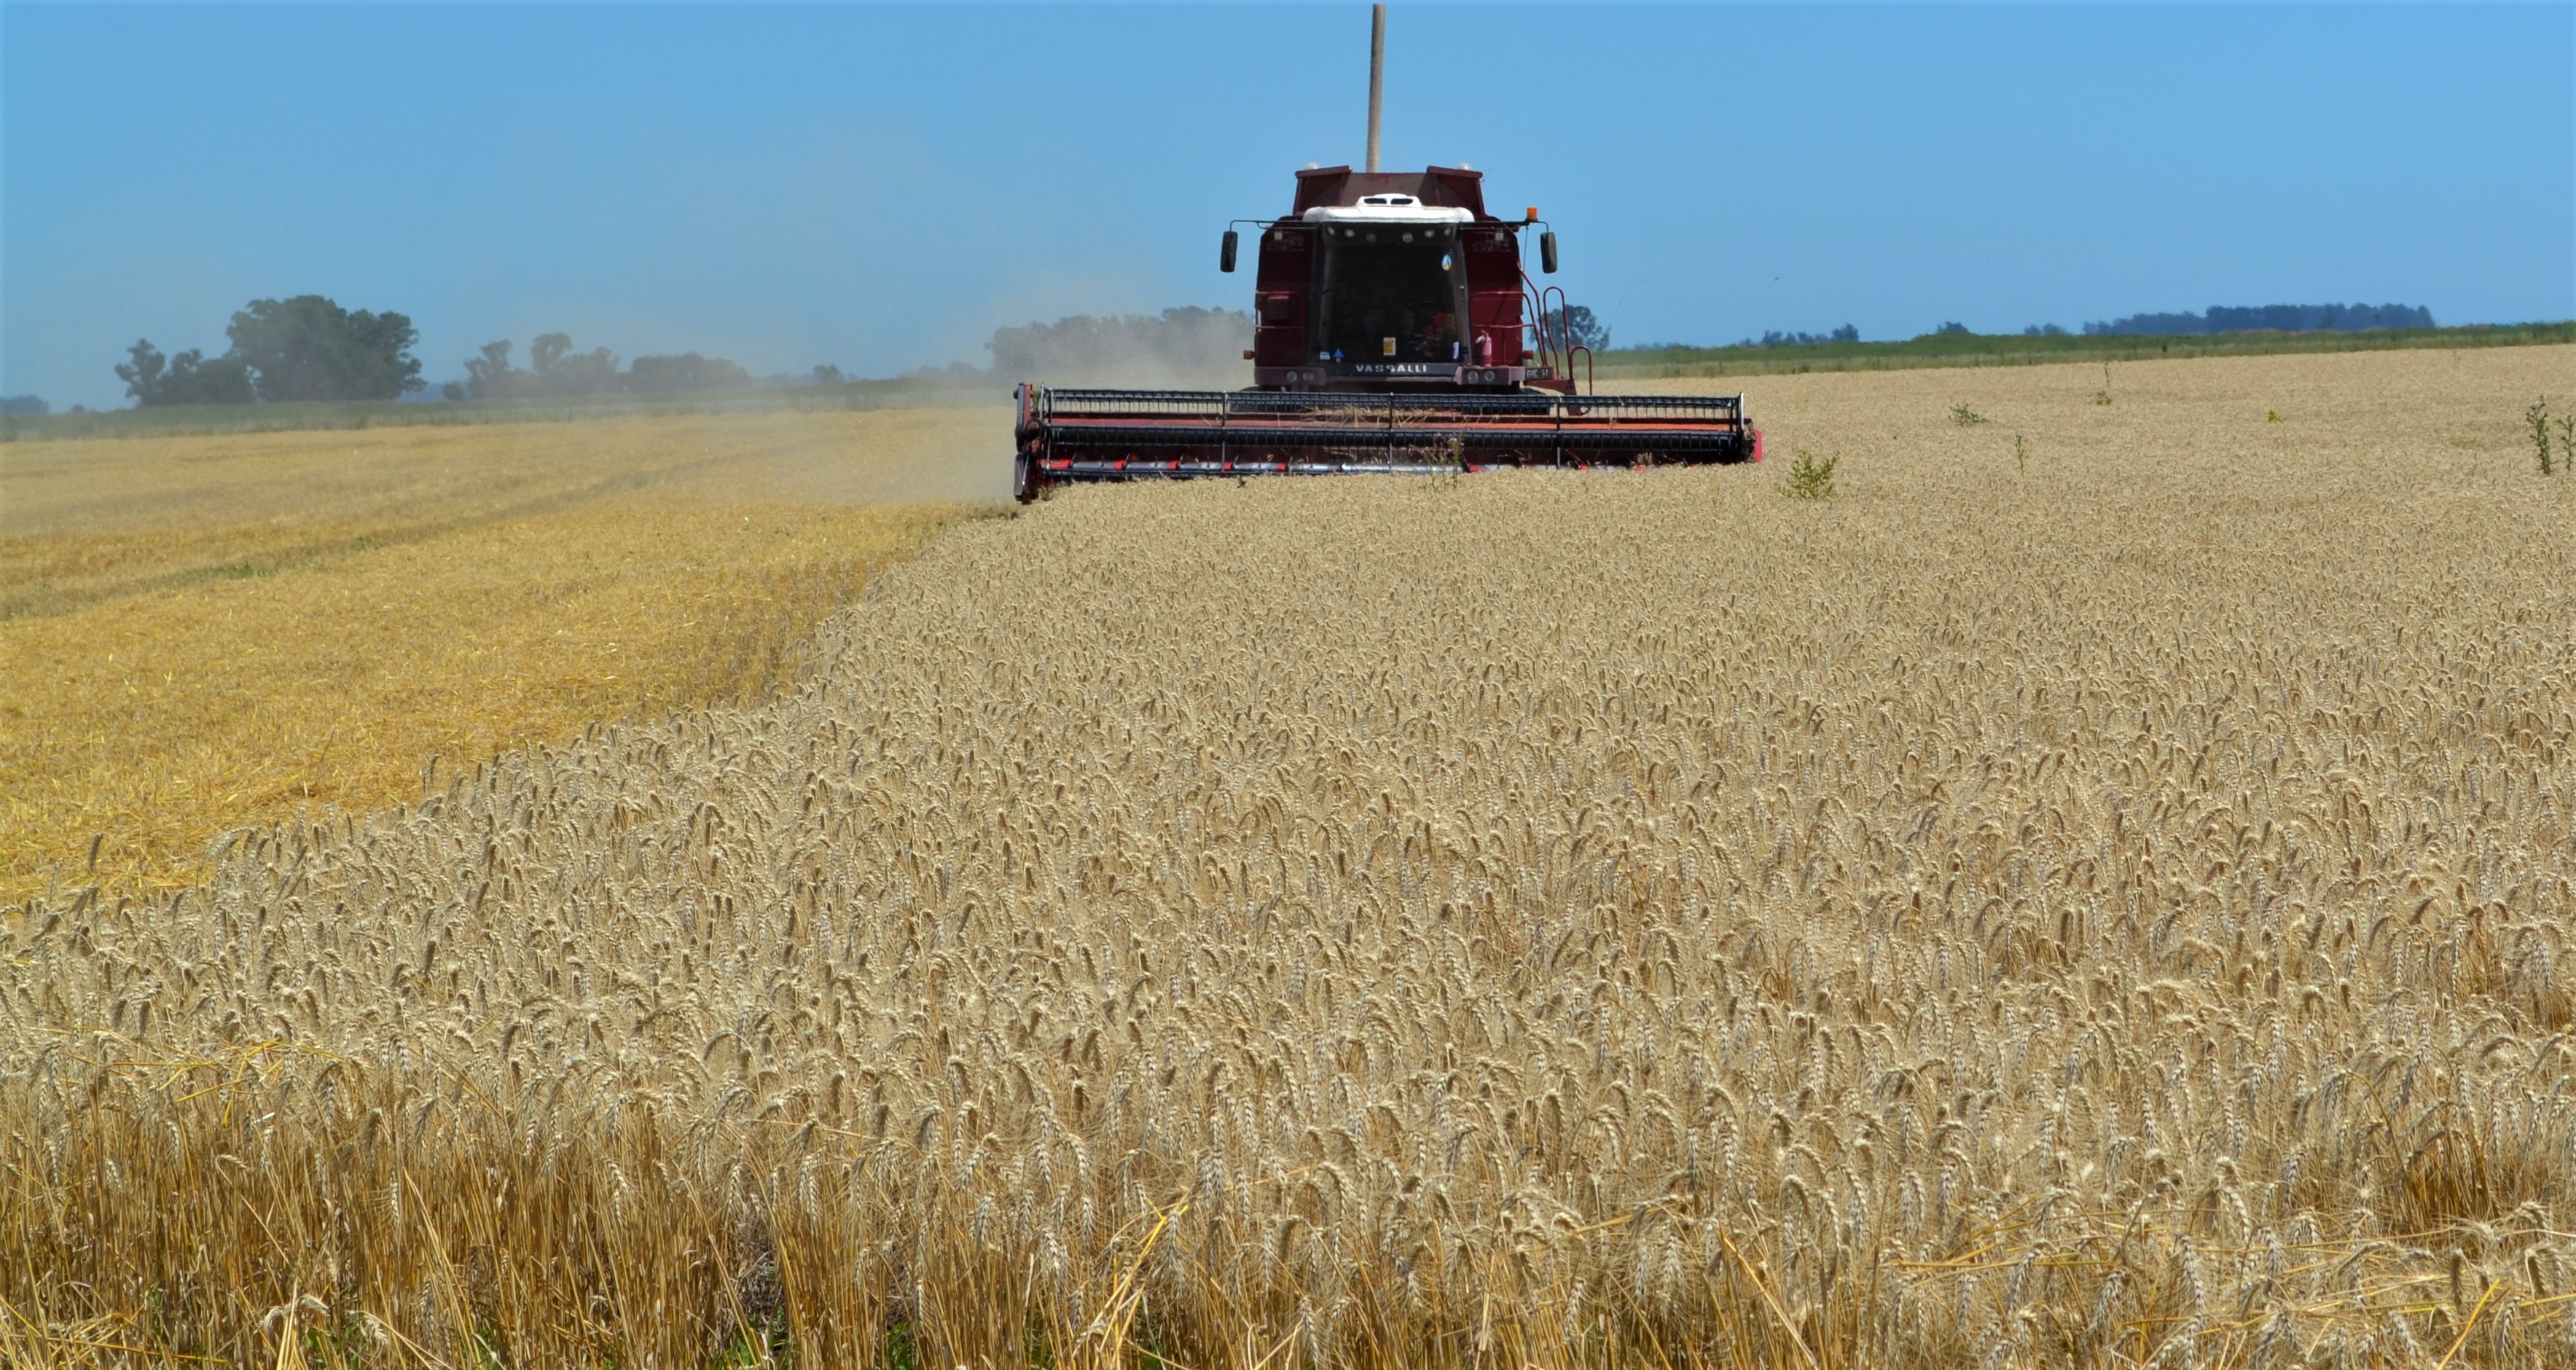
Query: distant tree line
(2283, 318)
(305, 348)
(555, 369)
(24, 406)
(1775, 338)
(1137, 347)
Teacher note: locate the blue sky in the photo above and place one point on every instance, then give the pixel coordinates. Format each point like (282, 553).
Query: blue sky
(880, 187)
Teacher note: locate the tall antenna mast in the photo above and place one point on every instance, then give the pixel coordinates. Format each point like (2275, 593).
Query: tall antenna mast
(1377, 75)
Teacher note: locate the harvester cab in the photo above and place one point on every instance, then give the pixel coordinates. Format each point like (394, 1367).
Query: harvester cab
(1394, 281)
(1395, 332)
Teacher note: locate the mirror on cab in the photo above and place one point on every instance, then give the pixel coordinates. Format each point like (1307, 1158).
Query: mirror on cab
(1547, 252)
(1225, 256)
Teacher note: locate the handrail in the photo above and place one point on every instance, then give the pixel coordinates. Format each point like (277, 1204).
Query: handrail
(1548, 337)
(1556, 342)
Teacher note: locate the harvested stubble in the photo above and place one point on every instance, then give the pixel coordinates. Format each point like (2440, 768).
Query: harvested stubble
(204, 633)
(2114, 916)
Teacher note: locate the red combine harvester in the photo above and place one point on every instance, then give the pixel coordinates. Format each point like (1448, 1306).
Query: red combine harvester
(1395, 332)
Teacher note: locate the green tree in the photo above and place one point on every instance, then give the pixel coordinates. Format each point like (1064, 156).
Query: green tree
(142, 371)
(154, 380)
(309, 348)
(489, 377)
(558, 370)
(1577, 324)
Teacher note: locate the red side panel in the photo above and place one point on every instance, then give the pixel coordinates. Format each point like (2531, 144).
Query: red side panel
(1443, 185)
(1279, 292)
(1320, 186)
(1494, 291)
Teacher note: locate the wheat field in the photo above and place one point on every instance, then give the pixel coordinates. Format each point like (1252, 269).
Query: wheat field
(2103, 906)
(204, 633)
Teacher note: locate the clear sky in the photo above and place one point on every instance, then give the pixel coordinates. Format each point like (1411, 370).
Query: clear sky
(880, 187)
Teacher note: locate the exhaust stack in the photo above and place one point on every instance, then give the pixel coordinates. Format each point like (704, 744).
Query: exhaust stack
(1377, 75)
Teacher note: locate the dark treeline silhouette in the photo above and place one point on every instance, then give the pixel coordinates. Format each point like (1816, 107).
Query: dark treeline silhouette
(305, 348)
(555, 369)
(2283, 318)
(687, 371)
(1182, 343)
(1775, 338)
(24, 406)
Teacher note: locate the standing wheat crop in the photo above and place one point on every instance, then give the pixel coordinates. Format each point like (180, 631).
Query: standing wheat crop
(2116, 915)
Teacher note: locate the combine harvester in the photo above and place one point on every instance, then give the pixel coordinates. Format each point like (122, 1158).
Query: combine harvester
(1395, 333)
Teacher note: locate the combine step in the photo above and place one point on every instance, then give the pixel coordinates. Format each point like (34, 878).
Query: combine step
(1086, 435)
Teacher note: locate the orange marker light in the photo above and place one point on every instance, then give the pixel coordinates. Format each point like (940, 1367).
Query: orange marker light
(1533, 215)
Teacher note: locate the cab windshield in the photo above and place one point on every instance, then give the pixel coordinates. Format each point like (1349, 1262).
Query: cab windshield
(1389, 302)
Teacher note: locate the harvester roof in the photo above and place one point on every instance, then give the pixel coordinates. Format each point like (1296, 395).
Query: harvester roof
(1392, 208)
(1439, 187)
